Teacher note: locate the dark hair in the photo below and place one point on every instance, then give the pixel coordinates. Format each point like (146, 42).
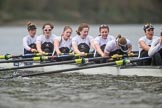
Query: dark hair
(148, 26)
(31, 26)
(161, 33)
(103, 26)
(81, 26)
(48, 24)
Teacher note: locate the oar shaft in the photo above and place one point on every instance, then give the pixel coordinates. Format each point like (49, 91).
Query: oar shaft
(40, 65)
(120, 62)
(43, 58)
(8, 56)
(16, 60)
(140, 59)
(77, 61)
(64, 70)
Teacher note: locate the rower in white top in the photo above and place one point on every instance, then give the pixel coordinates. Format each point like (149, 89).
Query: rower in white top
(102, 40)
(45, 42)
(119, 46)
(29, 41)
(82, 42)
(63, 43)
(144, 43)
(155, 51)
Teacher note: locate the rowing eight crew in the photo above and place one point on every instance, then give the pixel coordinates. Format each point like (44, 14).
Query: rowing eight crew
(104, 44)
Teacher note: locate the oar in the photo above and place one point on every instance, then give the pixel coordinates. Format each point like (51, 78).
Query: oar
(135, 51)
(8, 56)
(40, 58)
(117, 63)
(77, 61)
(46, 58)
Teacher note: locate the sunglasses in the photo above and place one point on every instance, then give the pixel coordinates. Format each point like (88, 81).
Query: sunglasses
(47, 29)
(103, 25)
(151, 29)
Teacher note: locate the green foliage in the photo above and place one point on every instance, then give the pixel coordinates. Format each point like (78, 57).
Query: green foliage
(92, 11)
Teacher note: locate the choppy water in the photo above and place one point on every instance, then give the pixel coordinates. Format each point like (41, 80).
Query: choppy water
(76, 90)
(81, 91)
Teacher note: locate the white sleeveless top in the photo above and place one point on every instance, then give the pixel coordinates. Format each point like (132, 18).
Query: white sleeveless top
(99, 40)
(42, 39)
(78, 40)
(112, 46)
(147, 42)
(64, 43)
(28, 40)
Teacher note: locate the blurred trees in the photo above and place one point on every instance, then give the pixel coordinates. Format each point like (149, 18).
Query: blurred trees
(92, 11)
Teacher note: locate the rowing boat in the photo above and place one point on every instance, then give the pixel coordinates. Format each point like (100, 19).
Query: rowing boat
(128, 70)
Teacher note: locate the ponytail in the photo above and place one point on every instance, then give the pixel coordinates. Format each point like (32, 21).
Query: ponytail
(31, 26)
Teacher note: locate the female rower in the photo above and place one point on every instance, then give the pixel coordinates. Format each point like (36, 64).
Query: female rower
(82, 42)
(101, 40)
(119, 46)
(29, 41)
(45, 42)
(63, 44)
(144, 43)
(155, 51)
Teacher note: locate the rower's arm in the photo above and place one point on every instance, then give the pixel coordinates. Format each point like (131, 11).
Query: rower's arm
(106, 54)
(98, 49)
(144, 46)
(38, 45)
(155, 46)
(108, 49)
(129, 48)
(56, 46)
(25, 44)
(75, 48)
(92, 42)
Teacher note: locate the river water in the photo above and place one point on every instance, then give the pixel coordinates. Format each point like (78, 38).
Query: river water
(77, 90)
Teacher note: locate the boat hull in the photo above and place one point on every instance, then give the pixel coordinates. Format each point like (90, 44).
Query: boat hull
(113, 70)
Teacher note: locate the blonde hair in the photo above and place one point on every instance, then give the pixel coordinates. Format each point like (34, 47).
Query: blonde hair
(65, 28)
